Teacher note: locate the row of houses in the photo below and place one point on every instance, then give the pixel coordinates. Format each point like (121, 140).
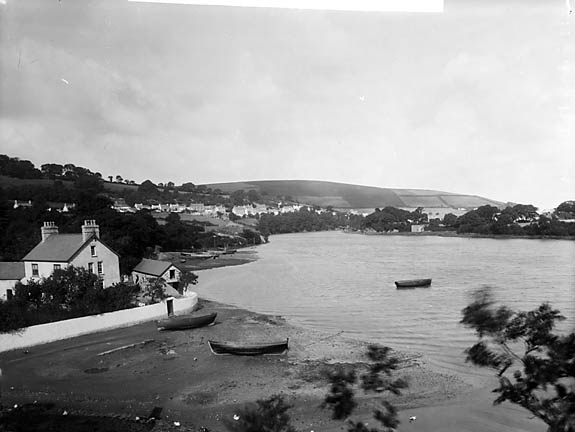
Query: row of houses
(86, 249)
(219, 211)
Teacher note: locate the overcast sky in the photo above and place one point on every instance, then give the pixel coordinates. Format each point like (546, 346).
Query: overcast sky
(477, 100)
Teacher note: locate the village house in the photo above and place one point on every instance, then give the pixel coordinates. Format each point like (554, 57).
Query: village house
(10, 274)
(153, 269)
(196, 207)
(57, 251)
(25, 204)
(415, 228)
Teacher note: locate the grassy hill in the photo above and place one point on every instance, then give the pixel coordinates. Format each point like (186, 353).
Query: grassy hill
(348, 196)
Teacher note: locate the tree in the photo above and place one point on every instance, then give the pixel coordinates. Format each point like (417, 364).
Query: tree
(567, 207)
(238, 197)
(544, 382)
(154, 290)
(119, 179)
(377, 379)
(187, 278)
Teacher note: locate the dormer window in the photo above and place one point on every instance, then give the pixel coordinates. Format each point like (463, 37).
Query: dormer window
(93, 250)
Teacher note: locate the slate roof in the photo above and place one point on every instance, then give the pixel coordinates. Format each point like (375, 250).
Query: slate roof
(57, 247)
(12, 270)
(153, 267)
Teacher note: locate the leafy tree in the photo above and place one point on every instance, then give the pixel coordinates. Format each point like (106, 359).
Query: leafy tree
(187, 187)
(377, 379)
(567, 207)
(270, 415)
(155, 290)
(544, 381)
(238, 197)
(449, 220)
(253, 196)
(188, 278)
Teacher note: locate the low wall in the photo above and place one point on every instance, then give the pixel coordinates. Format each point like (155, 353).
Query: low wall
(59, 330)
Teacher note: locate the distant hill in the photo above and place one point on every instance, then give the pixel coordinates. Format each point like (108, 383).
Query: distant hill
(348, 196)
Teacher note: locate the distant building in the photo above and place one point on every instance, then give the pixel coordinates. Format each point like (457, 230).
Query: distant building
(60, 206)
(25, 204)
(152, 269)
(10, 274)
(417, 228)
(57, 251)
(196, 207)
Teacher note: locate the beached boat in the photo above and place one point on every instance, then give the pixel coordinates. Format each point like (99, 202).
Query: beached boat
(184, 322)
(197, 255)
(413, 283)
(248, 349)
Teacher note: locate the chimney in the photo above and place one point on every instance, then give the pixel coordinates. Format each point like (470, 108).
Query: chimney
(90, 229)
(48, 229)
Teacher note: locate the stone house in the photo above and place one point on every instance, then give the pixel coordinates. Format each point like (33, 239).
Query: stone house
(86, 250)
(151, 269)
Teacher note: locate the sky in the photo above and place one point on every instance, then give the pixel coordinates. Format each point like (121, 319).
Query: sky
(479, 99)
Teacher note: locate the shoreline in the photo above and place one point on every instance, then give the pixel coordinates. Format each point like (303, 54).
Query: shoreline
(454, 234)
(219, 384)
(176, 371)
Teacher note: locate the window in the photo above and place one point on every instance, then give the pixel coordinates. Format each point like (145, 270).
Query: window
(91, 267)
(35, 270)
(57, 267)
(100, 267)
(9, 294)
(93, 250)
(172, 274)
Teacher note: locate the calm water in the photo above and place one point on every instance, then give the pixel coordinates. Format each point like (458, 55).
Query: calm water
(335, 281)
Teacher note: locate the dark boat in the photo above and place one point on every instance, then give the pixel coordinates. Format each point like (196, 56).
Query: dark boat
(221, 348)
(413, 283)
(183, 322)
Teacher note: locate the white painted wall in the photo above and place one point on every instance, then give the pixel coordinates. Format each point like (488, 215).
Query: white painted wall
(44, 333)
(110, 261)
(45, 269)
(111, 264)
(6, 285)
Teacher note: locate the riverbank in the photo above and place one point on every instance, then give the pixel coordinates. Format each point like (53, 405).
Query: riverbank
(241, 256)
(129, 372)
(455, 234)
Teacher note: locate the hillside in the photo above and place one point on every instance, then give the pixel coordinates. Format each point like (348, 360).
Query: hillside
(348, 196)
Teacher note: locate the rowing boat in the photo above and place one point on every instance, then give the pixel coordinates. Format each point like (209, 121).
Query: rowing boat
(413, 283)
(183, 322)
(251, 349)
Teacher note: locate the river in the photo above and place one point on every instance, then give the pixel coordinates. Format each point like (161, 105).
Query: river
(334, 281)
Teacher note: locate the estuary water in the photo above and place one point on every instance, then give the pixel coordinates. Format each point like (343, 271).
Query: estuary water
(334, 281)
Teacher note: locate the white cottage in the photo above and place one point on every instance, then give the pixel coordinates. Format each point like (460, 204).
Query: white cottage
(57, 251)
(10, 274)
(151, 269)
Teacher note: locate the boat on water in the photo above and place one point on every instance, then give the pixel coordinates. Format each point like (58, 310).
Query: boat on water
(248, 349)
(183, 322)
(413, 283)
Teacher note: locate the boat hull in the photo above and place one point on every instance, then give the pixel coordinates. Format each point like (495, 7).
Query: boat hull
(225, 348)
(413, 283)
(186, 322)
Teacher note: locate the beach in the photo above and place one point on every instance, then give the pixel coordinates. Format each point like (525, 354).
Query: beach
(128, 372)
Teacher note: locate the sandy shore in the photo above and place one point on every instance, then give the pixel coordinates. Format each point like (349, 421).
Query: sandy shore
(177, 372)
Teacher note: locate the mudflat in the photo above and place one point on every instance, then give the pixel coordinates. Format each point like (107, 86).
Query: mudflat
(130, 371)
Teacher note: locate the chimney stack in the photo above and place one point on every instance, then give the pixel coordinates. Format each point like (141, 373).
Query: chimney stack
(90, 229)
(48, 229)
